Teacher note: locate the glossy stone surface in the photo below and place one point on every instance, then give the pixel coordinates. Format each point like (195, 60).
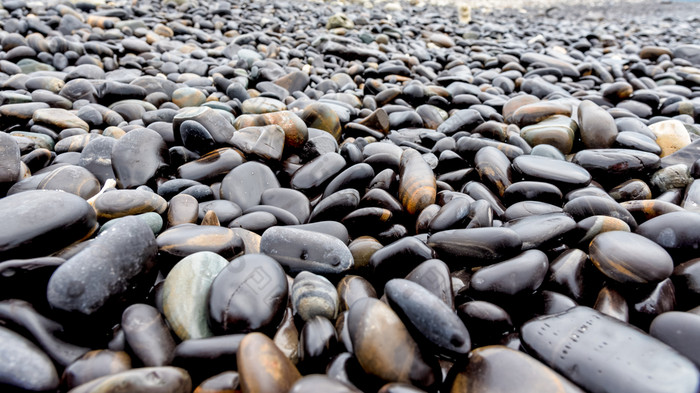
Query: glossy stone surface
(630, 258)
(429, 317)
(147, 335)
(141, 380)
(70, 219)
(314, 296)
(249, 294)
(95, 364)
(416, 182)
(498, 368)
(680, 331)
(185, 293)
(475, 246)
(187, 239)
(109, 268)
(298, 250)
(384, 347)
(603, 354)
(263, 368)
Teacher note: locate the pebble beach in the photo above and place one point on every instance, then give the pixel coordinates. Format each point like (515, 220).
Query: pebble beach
(349, 196)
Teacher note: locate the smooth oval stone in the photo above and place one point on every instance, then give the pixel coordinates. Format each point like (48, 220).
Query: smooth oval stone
(631, 190)
(95, 364)
(302, 250)
(384, 347)
(498, 368)
(398, 259)
(318, 343)
(249, 294)
(488, 323)
(263, 368)
(417, 187)
(59, 119)
(630, 258)
(225, 211)
(535, 112)
(529, 208)
(41, 222)
(352, 288)
(23, 365)
(188, 96)
(147, 335)
(258, 105)
(120, 203)
(323, 117)
(603, 354)
(246, 182)
(141, 380)
(108, 268)
(357, 176)
(591, 205)
(676, 232)
(138, 156)
(187, 239)
(532, 191)
(681, 331)
(463, 119)
(520, 275)
(182, 209)
(475, 246)
(564, 175)
(313, 176)
(637, 141)
(317, 383)
(287, 337)
(615, 164)
(597, 126)
(428, 317)
(213, 166)
(494, 169)
(557, 131)
(186, 291)
(671, 136)
(541, 230)
(314, 296)
(290, 200)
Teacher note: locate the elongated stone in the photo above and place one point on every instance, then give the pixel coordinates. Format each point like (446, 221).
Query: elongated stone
(384, 347)
(263, 368)
(109, 268)
(298, 250)
(597, 126)
(676, 232)
(185, 293)
(603, 354)
(187, 239)
(147, 335)
(417, 187)
(428, 317)
(141, 380)
(564, 175)
(121, 203)
(476, 246)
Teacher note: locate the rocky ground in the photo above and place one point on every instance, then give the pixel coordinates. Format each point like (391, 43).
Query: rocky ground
(286, 196)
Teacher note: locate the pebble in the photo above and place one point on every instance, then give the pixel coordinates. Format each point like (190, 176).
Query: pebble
(507, 176)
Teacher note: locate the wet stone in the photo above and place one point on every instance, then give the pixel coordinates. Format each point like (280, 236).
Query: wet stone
(141, 380)
(384, 347)
(263, 367)
(147, 335)
(95, 364)
(187, 239)
(314, 296)
(28, 233)
(497, 367)
(630, 258)
(302, 250)
(430, 318)
(564, 175)
(603, 354)
(120, 203)
(25, 366)
(185, 294)
(255, 176)
(85, 285)
(249, 294)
